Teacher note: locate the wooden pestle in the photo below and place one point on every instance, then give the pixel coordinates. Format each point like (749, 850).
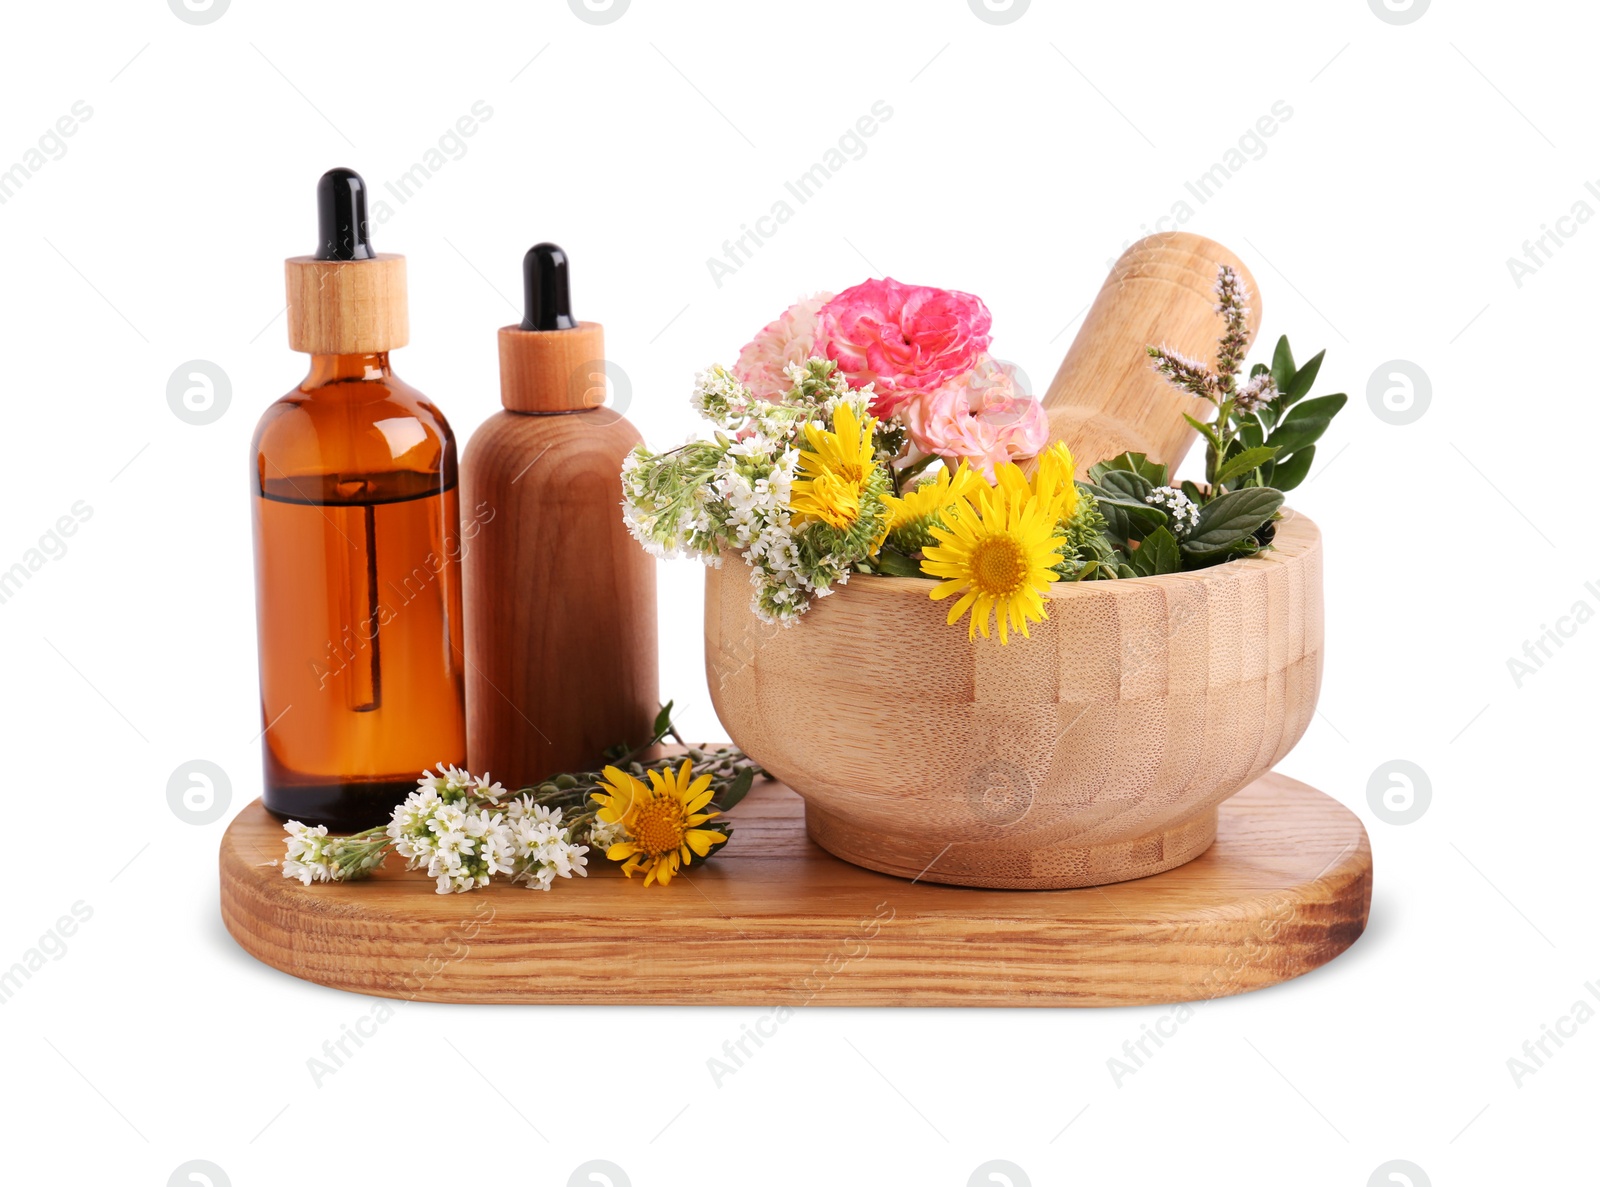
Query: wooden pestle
(1106, 397)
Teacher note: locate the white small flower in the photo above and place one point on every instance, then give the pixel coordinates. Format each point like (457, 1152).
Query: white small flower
(491, 791)
(603, 835)
(1180, 508)
(451, 782)
(306, 854)
(541, 848)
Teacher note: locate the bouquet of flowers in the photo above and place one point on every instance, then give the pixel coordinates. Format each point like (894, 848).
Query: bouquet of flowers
(873, 432)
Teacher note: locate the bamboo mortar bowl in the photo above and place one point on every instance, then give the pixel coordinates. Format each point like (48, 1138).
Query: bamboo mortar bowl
(1094, 752)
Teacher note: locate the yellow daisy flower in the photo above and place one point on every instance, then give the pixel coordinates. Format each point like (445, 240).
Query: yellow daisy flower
(998, 555)
(834, 471)
(1053, 479)
(660, 820)
(936, 496)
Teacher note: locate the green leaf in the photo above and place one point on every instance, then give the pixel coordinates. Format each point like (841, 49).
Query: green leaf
(1126, 518)
(1244, 546)
(1127, 484)
(1282, 365)
(1305, 423)
(1292, 470)
(736, 790)
(1245, 461)
(1300, 386)
(1251, 434)
(1208, 433)
(1157, 554)
(1130, 492)
(1198, 558)
(1259, 369)
(1229, 518)
(1153, 472)
(1112, 503)
(663, 725)
(1194, 492)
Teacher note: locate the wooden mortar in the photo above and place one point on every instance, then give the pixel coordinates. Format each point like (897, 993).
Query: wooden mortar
(1094, 752)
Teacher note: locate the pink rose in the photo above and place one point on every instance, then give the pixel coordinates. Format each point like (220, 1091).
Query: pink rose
(980, 418)
(903, 339)
(790, 339)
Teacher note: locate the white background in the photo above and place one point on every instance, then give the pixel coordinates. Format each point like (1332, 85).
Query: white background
(1018, 161)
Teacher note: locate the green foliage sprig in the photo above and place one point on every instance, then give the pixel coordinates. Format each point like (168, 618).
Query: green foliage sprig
(1260, 443)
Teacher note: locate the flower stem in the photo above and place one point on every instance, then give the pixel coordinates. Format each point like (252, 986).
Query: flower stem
(905, 474)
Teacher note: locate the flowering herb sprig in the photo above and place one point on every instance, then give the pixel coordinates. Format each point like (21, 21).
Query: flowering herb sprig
(1260, 443)
(1262, 434)
(462, 829)
(465, 830)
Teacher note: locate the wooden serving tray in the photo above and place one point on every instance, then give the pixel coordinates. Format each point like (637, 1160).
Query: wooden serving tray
(775, 921)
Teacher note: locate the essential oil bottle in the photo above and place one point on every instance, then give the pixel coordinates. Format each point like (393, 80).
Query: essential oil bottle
(561, 602)
(357, 545)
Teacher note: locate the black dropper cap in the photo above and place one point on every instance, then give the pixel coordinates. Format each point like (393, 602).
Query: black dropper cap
(547, 304)
(342, 217)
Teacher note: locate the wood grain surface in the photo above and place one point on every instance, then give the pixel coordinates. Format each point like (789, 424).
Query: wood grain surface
(1105, 397)
(347, 306)
(1095, 751)
(775, 921)
(553, 370)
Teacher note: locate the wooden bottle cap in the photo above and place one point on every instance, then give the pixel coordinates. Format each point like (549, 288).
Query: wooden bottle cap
(553, 370)
(347, 306)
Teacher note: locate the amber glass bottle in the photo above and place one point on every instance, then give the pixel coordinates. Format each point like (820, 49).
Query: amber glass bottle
(357, 545)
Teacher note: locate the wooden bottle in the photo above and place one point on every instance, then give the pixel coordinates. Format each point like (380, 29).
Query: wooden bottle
(560, 601)
(1105, 397)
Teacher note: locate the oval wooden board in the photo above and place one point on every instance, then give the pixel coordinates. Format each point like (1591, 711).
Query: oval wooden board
(774, 921)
